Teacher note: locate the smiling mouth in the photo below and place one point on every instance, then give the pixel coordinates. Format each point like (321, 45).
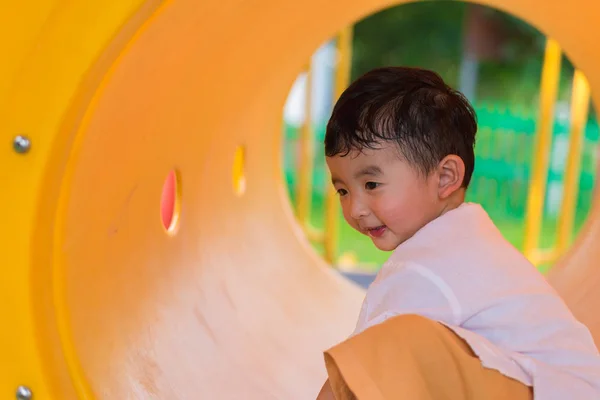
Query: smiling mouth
(376, 231)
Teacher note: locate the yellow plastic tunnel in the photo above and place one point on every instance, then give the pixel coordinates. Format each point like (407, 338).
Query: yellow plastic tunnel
(101, 101)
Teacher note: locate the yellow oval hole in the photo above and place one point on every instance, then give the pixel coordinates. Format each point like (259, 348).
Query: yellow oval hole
(239, 174)
(170, 202)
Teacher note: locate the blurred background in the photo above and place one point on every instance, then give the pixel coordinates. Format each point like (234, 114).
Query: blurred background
(537, 141)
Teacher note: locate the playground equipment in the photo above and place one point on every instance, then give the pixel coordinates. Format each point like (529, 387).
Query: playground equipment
(519, 165)
(329, 236)
(99, 103)
(537, 188)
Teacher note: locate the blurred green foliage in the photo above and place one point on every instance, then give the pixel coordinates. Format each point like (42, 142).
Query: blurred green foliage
(429, 34)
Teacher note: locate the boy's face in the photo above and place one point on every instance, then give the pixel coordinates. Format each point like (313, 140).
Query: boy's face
(382, 196)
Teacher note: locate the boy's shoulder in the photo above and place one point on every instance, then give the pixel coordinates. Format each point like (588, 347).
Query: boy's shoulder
(461, 231)
(465, 244)
(465, 230)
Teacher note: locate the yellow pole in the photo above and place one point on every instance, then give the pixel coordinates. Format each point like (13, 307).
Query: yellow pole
(342, 78)
(580, 99)
(304, 185)
(543, 141)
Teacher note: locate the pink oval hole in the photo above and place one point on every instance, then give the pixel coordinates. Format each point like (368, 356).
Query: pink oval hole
(169, 202)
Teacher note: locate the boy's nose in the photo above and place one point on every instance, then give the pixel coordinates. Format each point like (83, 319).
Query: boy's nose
(358, 210)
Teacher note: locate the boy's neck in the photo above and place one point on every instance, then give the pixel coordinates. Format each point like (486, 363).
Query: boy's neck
(454, 201)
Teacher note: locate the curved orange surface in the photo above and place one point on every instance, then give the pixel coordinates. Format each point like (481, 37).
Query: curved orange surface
(233, 304)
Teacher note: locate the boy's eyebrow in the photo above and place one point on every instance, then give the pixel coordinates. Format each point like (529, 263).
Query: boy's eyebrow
(371, 170)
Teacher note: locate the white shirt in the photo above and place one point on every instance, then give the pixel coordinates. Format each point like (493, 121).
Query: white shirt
(460, 271)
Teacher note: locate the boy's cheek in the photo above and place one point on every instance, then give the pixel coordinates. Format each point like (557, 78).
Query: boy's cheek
(349, 220)
(392, 210)
(402, 215)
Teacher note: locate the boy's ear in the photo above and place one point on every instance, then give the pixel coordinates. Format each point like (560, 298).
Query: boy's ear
(451, 171)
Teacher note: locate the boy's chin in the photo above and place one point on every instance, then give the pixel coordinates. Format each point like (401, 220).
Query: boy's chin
(385, 245)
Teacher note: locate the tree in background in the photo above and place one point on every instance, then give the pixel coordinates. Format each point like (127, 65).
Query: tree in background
(493, 56)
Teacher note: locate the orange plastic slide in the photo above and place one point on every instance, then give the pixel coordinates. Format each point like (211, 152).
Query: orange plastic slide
(99, 101)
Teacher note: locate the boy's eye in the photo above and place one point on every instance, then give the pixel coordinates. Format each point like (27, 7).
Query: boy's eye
(342, 192)
(371, 185)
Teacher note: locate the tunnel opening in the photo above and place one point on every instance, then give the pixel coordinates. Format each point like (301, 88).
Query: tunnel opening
(535, 113)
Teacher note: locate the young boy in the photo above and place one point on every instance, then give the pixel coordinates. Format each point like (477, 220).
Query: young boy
(456, 312)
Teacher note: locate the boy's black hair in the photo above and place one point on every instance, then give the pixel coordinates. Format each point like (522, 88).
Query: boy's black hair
(411, 106)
